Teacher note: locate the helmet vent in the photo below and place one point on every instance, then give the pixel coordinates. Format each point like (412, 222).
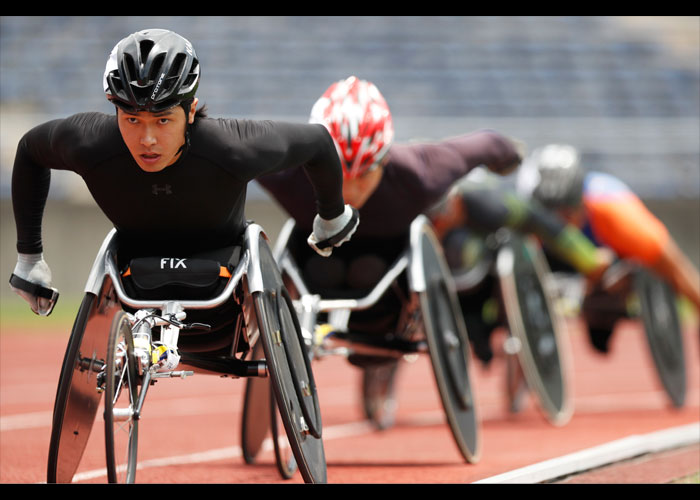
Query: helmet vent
(145, 48)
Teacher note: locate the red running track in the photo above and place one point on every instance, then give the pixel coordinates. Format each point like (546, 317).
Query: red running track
(190, 431)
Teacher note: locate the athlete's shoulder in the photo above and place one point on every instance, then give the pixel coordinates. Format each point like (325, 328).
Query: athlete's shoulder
(249, 130)
(597, 184)
(75, 141)
(80, 125)
(250, 140)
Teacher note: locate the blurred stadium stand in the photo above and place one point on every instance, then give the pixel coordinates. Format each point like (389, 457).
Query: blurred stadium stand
(625, 90)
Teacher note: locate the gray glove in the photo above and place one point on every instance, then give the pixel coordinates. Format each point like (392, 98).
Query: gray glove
(31, 280)
(333, 233)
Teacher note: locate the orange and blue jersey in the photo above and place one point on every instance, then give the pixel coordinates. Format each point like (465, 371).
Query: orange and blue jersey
(617, 218)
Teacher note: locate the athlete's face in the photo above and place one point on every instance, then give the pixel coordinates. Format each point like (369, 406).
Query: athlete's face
(154, 139)
(358, 190)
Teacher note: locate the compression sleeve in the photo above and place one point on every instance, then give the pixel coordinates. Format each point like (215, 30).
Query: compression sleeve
(488, 148)
(280, 146)
(489, 209)
(326, 175)
(429, 169)
(30, 186)
(565, 240)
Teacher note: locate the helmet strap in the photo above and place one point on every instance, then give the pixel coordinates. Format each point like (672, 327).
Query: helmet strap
(186, 105)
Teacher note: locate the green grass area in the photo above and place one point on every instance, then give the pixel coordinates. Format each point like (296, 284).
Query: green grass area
(16, 314)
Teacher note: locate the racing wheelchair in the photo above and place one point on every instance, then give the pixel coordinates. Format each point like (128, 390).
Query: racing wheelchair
(417, 292)
(130, 332)
(512, 270)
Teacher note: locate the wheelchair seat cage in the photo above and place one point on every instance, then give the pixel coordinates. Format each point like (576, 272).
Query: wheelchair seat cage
(124, 364)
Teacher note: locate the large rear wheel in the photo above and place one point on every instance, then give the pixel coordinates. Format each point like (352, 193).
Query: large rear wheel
(536, 332)
(79, 390)
(294, 391)
(657, 305)
(447, 339)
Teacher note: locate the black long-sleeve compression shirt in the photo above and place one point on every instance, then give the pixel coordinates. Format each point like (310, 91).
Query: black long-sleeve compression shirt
(195, 204)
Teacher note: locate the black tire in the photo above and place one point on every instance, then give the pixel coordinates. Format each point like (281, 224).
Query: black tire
(308, 449)
(284, 456)
(78, 394)
(535, 328)
(448, 346)
(121, 396)
(657, 304)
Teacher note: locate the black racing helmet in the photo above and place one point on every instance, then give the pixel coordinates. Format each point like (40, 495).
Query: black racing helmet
(151, 70)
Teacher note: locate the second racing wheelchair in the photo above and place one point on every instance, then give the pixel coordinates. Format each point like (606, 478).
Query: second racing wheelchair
(509, 271)
(406, 306)
(130, 331)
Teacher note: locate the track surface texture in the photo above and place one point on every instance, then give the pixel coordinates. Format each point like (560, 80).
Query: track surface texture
(190, 429)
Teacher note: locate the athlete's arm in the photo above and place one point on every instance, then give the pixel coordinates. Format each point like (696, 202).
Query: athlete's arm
(487, 209)
(675, 266)
(311, 146)
(31, 177)
(281, 146)
(487, 147)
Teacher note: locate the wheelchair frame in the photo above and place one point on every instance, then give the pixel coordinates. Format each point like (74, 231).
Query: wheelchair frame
(266, 317)
(455, 389)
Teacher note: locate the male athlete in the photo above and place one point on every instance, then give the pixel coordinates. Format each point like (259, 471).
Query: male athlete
(477, 206)
(389, 184)
(169, 178)
(609, 212)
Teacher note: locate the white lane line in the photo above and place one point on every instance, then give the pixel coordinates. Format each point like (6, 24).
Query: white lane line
(26, 421)
(329, 433)
(604, 454)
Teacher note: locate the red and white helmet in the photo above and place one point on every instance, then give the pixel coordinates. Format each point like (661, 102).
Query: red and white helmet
(358, 118)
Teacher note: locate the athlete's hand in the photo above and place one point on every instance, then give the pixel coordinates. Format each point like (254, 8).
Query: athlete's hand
(521, 151)
(31, 280)
(333, 233)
